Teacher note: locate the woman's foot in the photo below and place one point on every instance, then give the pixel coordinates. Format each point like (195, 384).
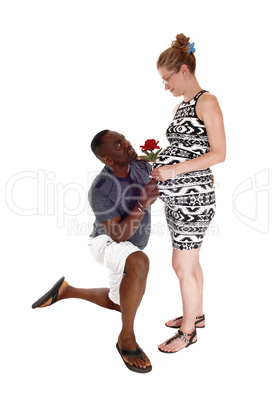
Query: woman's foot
(177, 322)
(180, 341)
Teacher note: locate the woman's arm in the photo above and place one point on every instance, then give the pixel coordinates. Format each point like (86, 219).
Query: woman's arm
(209, 111)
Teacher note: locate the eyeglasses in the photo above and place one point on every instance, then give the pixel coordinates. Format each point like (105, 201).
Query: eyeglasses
(166, 80)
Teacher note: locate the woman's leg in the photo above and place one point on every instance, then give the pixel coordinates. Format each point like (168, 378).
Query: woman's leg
(200, 279)
(186, 266)
(184, 263)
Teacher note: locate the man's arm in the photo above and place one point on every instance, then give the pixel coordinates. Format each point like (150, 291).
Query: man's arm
(122, 230)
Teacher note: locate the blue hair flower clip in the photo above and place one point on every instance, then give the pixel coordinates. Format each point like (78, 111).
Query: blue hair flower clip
(191, 48)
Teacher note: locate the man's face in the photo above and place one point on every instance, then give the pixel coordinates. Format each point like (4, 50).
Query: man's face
(117, 149)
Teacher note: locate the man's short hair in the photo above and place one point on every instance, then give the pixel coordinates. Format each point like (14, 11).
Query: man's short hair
(97, 142)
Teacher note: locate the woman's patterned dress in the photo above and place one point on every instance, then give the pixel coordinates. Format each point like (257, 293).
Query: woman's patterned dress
(189, 197)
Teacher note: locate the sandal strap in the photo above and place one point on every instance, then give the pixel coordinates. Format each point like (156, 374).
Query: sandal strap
(172, 339)
(133, 353)
(54, 297)
(200, 319)
(178, 318)
(182, 336)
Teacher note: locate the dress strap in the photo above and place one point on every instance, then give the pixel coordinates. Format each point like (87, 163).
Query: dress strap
(199, 94)
(196, 100)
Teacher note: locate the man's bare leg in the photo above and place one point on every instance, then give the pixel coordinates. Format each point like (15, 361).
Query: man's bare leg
(132, 289)
(97, 296)
(131, 293)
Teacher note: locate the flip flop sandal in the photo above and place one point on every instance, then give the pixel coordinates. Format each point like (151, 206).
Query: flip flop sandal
(133, 353)
(198, 320)
(53, 292)
(182, 337)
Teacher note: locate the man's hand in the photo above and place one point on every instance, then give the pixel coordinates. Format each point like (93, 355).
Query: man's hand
(122, 229)
(149, 194)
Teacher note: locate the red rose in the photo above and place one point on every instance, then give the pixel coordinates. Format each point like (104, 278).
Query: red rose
(148, 149)
(150, 145)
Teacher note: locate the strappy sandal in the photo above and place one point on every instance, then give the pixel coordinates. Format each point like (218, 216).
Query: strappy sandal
(183, 338)
(198, 321)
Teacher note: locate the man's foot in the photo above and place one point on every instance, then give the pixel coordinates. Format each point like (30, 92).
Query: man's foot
(135, 359)
(61, 292)
(180, 341)
(133, 356)
(55, 294)
(177, 322)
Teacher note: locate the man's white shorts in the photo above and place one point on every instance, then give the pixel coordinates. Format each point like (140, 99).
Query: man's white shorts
(113, 255)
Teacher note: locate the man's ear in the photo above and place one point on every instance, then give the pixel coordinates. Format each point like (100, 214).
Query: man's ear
(107, 160)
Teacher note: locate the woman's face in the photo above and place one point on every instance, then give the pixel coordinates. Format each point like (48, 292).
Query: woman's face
(174, 82)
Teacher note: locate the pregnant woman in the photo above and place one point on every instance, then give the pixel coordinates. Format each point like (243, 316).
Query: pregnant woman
(197, 141)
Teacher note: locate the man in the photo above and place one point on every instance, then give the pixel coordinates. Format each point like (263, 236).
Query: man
(120, 196)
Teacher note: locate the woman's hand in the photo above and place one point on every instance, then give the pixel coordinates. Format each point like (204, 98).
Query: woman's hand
(164, 173)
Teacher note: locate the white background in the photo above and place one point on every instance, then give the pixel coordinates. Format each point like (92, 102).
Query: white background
(70, 69)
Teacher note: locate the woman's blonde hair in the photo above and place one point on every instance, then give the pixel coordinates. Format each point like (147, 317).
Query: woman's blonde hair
(178, 54)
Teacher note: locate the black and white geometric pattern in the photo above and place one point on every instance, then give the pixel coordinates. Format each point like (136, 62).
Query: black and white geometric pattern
(189, 197)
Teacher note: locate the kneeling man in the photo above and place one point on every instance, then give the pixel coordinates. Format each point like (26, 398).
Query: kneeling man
(120, 197)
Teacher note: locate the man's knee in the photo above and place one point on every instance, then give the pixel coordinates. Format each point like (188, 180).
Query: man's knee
(137, 264)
